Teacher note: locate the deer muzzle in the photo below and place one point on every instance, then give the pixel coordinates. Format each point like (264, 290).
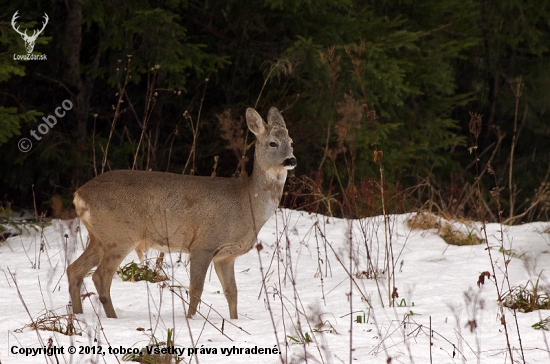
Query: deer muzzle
(289, 163)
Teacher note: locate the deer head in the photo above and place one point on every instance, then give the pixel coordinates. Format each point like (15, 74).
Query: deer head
(29, 40)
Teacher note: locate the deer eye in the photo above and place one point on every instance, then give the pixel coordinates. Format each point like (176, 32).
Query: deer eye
(292, 144)
(273, 144)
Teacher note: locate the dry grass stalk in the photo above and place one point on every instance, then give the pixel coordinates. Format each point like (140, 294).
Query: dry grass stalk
(451, 235)
(524, 299)
(232, 130)
(66, 324)
(347, 127)
(424, 221)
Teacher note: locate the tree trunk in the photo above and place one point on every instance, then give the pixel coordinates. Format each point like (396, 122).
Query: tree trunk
(72, 76)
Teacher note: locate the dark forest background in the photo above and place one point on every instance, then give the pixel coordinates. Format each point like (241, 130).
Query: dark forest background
(383, 99)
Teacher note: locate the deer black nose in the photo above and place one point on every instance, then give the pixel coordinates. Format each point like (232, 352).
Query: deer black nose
(289, 162)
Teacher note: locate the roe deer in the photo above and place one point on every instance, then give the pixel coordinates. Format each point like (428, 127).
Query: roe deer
(211, 218)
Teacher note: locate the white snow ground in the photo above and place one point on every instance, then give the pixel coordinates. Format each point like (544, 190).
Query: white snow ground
(306, 313)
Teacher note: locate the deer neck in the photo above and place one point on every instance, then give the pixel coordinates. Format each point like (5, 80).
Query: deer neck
(265, 191)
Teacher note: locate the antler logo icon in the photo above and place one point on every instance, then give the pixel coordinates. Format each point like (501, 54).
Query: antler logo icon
(29, 40)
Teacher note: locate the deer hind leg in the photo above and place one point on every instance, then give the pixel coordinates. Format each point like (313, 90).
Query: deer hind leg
(226, 273)
(79, 268)
(104, 273)
(199, 262)
(140, 249)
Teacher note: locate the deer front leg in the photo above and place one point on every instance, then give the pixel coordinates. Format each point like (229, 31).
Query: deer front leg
(226, 273)
(199, 261)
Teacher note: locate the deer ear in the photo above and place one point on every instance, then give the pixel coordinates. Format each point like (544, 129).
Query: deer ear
(255, 122)
(274, 117)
